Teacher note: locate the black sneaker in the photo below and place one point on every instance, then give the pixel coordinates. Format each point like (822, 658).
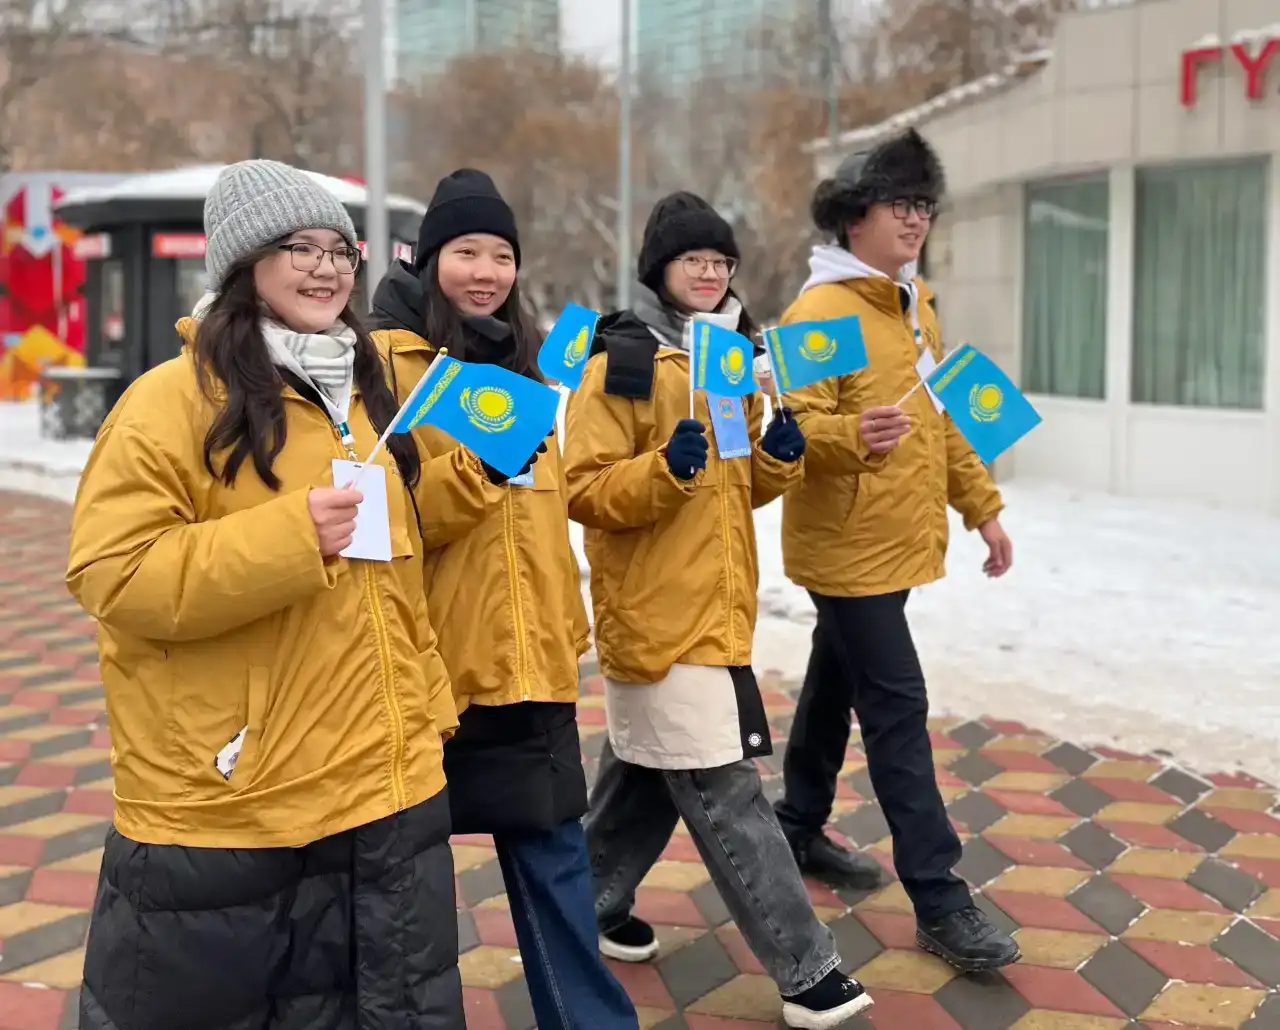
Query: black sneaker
(821, 857)
(633, 941)
(969, 941)
(833, 1000)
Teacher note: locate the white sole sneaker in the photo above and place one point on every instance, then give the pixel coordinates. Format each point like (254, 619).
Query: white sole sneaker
(799, 1018)
(627, 953)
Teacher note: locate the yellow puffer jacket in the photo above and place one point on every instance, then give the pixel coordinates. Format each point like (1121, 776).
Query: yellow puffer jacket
(502, 581)
(216, 613)
(673, 564)
(864, 524)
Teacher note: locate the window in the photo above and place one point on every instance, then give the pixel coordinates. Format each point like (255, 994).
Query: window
(1199, 285)
(1064, 311)
(190, 275)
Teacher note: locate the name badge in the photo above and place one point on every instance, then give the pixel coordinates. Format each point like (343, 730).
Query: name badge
(372, 538)
(729, 424)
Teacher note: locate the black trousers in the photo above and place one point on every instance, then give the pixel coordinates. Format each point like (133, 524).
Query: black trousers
(864, 660)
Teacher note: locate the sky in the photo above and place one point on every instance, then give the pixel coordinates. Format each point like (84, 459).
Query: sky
(591, 28)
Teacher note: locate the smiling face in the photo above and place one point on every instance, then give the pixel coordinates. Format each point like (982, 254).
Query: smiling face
(307, 299)
(476, 272)
(892, 235)
(698, 279)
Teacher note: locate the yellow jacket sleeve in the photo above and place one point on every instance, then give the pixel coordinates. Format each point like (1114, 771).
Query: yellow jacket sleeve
(770, 478)
(140, 562)
(454, 495)
(610, 486)
(833, 444)
(970, 489)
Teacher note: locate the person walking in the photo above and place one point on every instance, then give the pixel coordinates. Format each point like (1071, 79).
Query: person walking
(280, 851)
(671, 543)
(505, 596)
(868, 525)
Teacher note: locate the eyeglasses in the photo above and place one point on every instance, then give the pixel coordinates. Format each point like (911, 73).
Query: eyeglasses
(903, 206)
(307, 257)
(696, 267)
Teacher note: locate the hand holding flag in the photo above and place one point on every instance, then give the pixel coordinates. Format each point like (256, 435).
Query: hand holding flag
(563, 354)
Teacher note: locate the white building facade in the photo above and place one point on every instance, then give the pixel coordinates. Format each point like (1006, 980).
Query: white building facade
(1112, 240)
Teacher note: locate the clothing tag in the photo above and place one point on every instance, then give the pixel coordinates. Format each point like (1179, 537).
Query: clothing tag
(925, 367)
(730, 427)
(524, 479)
(372, 538)
(225, 760)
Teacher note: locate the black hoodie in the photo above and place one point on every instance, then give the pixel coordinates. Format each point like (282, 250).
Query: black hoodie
(400, 301)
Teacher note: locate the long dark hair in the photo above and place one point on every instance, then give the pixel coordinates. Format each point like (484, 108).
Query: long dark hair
(445, 327)
(250, 422)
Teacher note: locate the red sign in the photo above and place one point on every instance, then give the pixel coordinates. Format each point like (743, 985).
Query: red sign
(93, 248)
(1254, 65)
(178, 245)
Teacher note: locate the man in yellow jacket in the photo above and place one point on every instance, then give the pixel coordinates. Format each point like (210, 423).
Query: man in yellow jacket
(867, 525)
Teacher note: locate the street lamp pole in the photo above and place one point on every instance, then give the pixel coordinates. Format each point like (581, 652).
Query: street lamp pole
(624, 162)
(376, 229)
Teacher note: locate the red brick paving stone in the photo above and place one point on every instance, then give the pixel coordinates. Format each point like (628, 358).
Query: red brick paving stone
(1133, 790)
(1155, 892)
(734, 943)
(822, 895)
(1026, 803)
(946, 778)
(14, 750)
(1043, 913)
(1271, 926)
(494, 926)
(75, 716)
(592, 717)
(890, 929)
(643, 984)
(669, 908)
(697, 1022)
(941, 742)
(46, 774)
(1059, 990)
(1005, 727)
(1245, 821)
(481, 1009)
(25, 851)
(60, 887)
(1116, 755)
(1019, 761)
(845, 792)
(477, 840)
(44, 700)
(1265, 869)
(680, 848)
(1193, 965)
(101, 738)
(1144, 835)
(30, 1008)
(1236, 779)
(896, 1011)
(1024, 851)
(90, 802)
(886, 862)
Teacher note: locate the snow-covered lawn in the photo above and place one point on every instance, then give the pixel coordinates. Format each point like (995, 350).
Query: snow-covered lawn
(1145, 625)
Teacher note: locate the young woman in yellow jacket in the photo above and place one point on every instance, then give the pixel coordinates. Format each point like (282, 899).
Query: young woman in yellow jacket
(505, 597)
(280, 854)
(667, 502)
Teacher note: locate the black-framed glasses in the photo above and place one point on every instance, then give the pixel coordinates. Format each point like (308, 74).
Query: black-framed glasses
(307, 257)
(904, 206)
(696, 267)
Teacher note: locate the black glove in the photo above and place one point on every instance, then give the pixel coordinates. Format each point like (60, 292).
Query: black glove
(499, 478)
(687, 449)
(783, 439)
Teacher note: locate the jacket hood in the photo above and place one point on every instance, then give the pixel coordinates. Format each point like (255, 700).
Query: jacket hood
(399, 302)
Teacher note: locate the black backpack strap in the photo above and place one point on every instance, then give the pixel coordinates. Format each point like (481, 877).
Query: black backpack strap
(629, 363)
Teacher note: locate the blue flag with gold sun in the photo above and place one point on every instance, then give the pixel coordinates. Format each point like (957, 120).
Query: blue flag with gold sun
(720, 360)
(563, 355)
(983, 402)
(808, 352)
(498, 415)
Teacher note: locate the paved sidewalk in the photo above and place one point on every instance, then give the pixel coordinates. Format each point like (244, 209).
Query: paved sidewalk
(1139, 891)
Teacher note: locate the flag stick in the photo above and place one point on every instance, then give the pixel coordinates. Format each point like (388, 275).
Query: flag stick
(693, 363)
(945, 358)
(773, 371)
(386, 433)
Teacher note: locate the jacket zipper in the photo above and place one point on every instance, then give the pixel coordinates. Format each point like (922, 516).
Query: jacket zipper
(513, 579)
(728, 563)
(400, 794)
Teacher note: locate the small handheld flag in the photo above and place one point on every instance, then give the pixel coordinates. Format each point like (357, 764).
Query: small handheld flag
(720, 361)
(807, 352)
(563, 354)
(983, 402)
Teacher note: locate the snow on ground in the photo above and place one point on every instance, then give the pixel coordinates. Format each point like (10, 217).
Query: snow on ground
(1144, 625)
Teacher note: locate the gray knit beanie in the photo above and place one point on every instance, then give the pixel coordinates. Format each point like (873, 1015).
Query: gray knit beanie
(253, 203)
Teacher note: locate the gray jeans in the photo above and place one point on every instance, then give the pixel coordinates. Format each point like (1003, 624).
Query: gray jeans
(632, 815)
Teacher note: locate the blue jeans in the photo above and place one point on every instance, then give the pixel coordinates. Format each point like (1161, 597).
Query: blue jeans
(548, 880)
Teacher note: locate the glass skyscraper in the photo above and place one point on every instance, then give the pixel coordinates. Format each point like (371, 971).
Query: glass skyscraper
(431, 33)
(680, 41)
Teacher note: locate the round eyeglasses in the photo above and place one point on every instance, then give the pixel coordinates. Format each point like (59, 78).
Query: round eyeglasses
(307, 257)
(696, 267)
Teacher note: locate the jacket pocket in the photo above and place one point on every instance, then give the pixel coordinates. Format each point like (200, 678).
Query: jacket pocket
(246, 765)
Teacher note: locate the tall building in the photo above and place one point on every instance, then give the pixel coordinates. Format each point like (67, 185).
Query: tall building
(679, 41)
(431, 33)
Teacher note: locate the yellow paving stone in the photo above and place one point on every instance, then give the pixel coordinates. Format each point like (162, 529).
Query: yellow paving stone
(1037, 827)
(944, 756)
(672, 938)
(62, 971)
(676, 876)
(915, 972)
(13, 870)
(55, 825)
(80, 756)
(106, 784)
(1031, 744)
(1167, 865)
(1206, 1006)
(35, 734)
(1034, 782)
(827, 914)
(1240, 797)
(1179, 927)
(468, 856)
(1253, 845)
(497, 901)
(1117, 770)
(1058, 949)
(1044, 880)
(1137, 812)
(16, 795)
(949, 794)
(89, 862)
(27, 915)
(853, 765)
(1044, 1020)
(650, 1018)
(747, 996)
(892, 899)
(841, 806)
(489, 966)
(1266, 907)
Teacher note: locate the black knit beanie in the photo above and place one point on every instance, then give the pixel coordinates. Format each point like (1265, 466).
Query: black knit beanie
(680, 223)
(466, 201)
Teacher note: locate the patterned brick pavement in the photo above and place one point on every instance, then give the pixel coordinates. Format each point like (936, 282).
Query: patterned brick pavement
(1139, 892)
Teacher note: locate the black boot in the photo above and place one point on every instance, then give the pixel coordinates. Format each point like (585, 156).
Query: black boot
(968, 940)
(822, 858)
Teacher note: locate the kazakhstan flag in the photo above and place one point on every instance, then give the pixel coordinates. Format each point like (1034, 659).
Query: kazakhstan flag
(563, 355)
(808, 352)
(983, 402)
(498, 415)
(720, 360)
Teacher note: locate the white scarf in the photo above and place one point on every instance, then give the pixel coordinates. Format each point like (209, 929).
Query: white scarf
(831, 264)
(325, 360)
(727, 318)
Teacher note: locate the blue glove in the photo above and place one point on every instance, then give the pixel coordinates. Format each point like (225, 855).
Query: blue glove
(783, 439)
(687, 449)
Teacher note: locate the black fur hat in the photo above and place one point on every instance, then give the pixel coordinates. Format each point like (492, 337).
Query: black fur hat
(903, 167)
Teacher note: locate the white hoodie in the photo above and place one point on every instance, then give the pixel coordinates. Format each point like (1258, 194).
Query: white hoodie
(832, 264)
